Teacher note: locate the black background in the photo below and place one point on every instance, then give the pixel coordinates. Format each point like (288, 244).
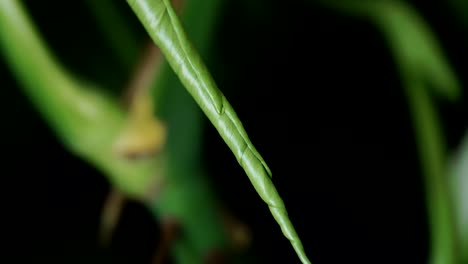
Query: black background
(320, 97)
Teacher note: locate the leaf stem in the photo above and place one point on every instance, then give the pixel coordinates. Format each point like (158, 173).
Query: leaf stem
(85, 120)
(163, 25)
(432, 152)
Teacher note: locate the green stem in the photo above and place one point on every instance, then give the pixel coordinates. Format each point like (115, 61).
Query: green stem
(432, 151)
(425, 71)
(459, 189)
(161, 22)
(87, 122)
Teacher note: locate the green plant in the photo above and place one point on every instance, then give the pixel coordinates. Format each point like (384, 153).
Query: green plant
(424, 72)
(161, 125)
(164, 27)
(71, 106)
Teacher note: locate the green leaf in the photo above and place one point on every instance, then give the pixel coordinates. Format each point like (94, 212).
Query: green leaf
(164, 27)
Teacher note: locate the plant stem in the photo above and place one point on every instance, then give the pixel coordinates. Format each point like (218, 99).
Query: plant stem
(161, 22)
(110, 215)
(424, 71)
(432, 151)
(86, 121)
(459, 189)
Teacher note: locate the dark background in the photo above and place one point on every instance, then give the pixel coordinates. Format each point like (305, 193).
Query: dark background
(321, 99)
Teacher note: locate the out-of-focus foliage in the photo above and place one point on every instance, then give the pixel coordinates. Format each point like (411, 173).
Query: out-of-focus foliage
(83, 117)
(459, 190)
